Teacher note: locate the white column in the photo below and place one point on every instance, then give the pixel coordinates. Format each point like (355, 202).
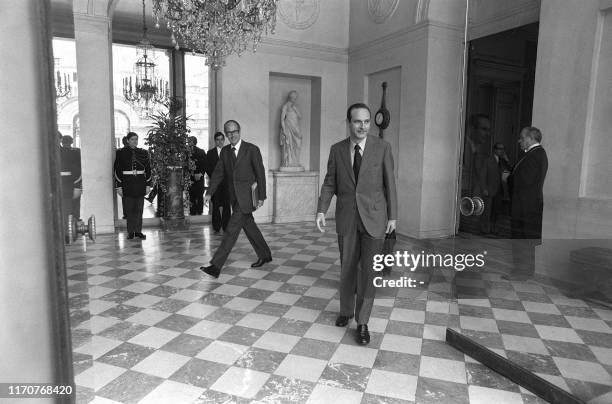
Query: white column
(94, 66)
(31, 246)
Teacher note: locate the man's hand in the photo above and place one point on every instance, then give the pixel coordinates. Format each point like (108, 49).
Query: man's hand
(391, 226)
(147, 190)
(320, 221)
(206, 199)
(260, 204)
(76, 192)
(197, 176)
(120, 191)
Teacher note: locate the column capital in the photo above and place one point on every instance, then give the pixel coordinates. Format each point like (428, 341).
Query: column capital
(91, 23)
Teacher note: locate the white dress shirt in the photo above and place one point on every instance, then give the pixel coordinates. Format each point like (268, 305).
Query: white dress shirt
(237, 147)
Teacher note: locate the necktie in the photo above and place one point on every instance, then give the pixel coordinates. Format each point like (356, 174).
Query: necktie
(234, 153)
(357, 162)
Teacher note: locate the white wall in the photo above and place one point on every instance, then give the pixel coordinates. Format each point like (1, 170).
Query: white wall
(568, 109)
(245, 92)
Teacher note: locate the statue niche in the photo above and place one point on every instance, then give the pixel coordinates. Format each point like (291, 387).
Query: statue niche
(290, 135)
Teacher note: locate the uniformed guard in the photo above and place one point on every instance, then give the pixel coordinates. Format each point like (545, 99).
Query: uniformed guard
(69, 177)
(133, 179)
(77, 189)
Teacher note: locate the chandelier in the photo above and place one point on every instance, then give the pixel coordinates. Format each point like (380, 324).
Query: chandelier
(217, 28)
(62, 83)
(145, 90)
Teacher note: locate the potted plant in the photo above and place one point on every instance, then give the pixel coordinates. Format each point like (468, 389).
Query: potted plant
(171, 165)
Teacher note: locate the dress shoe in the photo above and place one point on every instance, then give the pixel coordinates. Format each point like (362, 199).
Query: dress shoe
(130, 236)
(211, 270)
(342, 321)
(260, 262)
(140, 236)
(363, 336)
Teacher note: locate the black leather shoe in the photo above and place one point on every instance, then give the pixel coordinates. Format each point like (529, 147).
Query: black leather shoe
(260, 262)
(211, 270)
(363, 336)
(140, 236)
(342, 321)
(130, 236)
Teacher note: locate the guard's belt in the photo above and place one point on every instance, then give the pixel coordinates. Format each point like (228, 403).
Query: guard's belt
(136, 172)
(65, 173)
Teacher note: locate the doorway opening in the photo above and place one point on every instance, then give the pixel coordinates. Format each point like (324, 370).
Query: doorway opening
(500, 82)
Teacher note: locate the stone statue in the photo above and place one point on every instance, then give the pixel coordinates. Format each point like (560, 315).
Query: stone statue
(290, 136)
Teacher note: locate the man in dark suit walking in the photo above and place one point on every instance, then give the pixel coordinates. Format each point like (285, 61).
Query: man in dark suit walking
(196, 190)
(220, 201)
(360, 173)
(241, 166)
(526, 184)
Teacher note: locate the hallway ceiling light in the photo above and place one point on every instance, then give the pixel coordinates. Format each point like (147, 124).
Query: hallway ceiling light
(217, 28)
(145, 90)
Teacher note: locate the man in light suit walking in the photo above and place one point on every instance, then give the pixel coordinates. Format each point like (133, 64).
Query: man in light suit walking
(360, 173)
(240, 165)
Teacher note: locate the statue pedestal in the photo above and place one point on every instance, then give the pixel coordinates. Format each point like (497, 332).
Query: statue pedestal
(292, 169)
(295, 196)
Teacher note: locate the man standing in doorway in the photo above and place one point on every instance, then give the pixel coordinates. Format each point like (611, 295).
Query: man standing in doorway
(241, 167)
(491, 185)
(133, 177)
(477, 147)
(360, 173)
(527, 203)
(220, 200)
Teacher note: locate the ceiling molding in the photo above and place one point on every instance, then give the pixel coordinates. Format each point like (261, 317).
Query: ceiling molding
(302, 49)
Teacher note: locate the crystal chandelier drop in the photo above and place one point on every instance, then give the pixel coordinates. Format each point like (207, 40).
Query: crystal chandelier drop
(217, 28)
(145, 90)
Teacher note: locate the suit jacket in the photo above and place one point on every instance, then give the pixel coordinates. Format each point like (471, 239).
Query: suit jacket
(374, 196)
(526, 184)
(490, 176)
(212, 157)
(199, 158)
(240, 175)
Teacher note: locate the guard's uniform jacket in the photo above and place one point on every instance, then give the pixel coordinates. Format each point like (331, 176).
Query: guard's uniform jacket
(132, 171)
(70, 172)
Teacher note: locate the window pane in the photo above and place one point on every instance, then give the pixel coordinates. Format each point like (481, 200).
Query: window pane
(196, 97)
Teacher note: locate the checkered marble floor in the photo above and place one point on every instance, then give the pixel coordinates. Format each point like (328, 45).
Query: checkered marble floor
(149, 327)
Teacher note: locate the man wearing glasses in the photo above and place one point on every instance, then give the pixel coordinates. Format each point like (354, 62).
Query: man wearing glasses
(241, 167)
